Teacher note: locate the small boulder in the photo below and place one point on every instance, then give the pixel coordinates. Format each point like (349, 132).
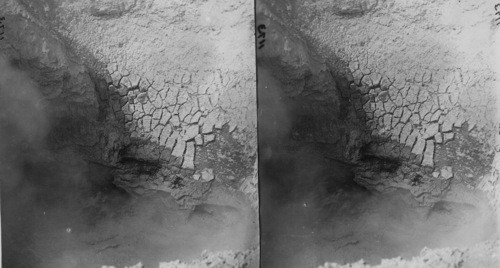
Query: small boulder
(207, 174)
(447, 172)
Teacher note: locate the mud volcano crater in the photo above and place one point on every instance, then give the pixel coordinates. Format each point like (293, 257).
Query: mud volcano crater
(356, 168)
(70, 201)
(114, 156)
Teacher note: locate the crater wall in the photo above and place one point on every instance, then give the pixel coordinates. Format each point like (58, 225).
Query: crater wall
(167, 84)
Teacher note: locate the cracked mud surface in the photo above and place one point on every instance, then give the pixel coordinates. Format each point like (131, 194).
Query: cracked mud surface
(417, 101)
(314, 209)
(127, 93)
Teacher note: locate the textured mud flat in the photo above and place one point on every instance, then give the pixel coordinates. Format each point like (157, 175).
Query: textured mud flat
(315, 211)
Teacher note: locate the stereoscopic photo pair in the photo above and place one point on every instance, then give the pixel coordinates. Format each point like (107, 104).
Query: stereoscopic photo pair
(221, 133)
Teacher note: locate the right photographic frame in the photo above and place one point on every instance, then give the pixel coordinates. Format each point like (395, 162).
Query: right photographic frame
(378, 133)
